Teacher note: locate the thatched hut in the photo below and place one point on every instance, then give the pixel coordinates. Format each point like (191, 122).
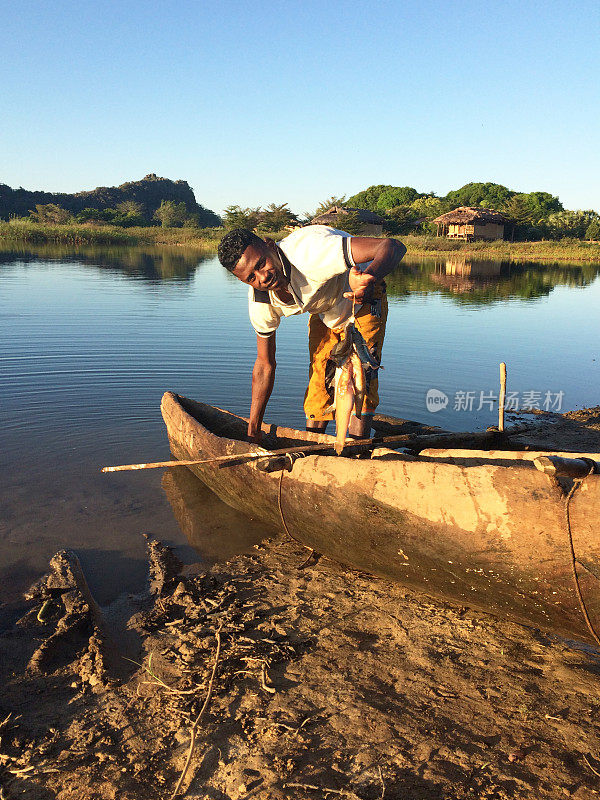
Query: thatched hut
(470, 223)
(371, 223)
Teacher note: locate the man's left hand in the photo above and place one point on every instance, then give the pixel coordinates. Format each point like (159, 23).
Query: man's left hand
(361, 284)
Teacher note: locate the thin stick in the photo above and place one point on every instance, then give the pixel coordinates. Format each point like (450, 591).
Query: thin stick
(595, 771)
(201, 714)
(407, 439)
(313, 788)
(502, 396)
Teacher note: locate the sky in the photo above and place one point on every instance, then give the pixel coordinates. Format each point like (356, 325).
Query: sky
(273, 102)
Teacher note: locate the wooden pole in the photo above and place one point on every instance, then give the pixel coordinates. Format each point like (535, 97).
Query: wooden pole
(502, 396)
(407, 440)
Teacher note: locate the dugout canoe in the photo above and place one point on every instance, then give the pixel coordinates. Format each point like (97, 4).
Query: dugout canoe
(491, 536)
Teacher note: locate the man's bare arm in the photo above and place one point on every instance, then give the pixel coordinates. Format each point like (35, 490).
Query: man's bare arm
(384, 255)
(263, 378)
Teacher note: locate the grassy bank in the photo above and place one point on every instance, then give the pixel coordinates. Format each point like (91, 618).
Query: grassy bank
(207, 240)
(552, 251)
(27, 232)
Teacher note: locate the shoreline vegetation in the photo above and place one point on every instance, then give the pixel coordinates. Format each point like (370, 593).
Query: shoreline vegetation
(207, 240)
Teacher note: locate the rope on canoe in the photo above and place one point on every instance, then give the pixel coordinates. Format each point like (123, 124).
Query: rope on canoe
(283, 522)
(576, 485)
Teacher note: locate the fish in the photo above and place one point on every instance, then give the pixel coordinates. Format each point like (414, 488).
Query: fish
(358, 374)
(351, 357)
(344, 402)
(362, 350)
(342, 349)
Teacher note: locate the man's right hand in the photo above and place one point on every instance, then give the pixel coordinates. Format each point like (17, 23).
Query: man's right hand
(254, 437)
(263, 377)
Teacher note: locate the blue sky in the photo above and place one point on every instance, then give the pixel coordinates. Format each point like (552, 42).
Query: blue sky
(295, 101)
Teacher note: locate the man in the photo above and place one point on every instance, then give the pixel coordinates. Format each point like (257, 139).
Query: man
(312, 270)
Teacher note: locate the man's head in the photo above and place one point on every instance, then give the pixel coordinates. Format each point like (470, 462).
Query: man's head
(253, 260)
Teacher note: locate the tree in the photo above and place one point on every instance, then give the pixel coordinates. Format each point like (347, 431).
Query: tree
(171, 214)
(349, 222)
(50, 214)
(485, 195)
(396, 196)
(130, 207)
(402, 219)
(275, 217)
(327, 204)
(91, 215)
(571, 223)
(593, 230)
(542, 204)
(369, 198)
(518, 209)
(238, 217)
(430, 207)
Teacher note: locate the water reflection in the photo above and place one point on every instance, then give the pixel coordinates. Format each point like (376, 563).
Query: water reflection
(215, 530)
(465, 280)
(151, 263)
(482, 282)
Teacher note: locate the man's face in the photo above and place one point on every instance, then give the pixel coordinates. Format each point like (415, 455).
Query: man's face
(259, 266)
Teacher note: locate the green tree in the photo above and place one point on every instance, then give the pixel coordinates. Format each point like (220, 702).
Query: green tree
(130, 213)
(542, 204)
(238, 217)
(349, 222)
(571, 223)
(171, 214)
(518, 209)
(369, 198)
(275, 217)
(402, 219)
(485, 195)
(50, 214)
(396, 196)
(327, 204)
(593, 230)
(130, 208)
(90, 215)
(430, 207)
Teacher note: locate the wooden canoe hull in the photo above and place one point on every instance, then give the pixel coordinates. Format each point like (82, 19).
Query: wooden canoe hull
(487, 536)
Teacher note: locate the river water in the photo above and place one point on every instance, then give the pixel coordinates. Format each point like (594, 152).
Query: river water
(90, 340)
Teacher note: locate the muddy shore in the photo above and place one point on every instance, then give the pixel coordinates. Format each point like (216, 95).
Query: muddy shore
(295, 679)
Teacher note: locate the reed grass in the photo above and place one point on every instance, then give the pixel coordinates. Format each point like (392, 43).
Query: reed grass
(573, 250)
(24, 231)
(207, 240)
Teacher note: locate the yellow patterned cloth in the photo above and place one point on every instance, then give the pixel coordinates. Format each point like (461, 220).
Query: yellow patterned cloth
(370, 321)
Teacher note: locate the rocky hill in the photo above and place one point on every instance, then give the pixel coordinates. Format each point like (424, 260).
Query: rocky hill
(149, 192)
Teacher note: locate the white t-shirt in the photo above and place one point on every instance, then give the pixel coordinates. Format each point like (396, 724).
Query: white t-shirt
(317, 260)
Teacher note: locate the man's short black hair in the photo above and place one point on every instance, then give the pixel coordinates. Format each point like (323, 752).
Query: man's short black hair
(233, 244)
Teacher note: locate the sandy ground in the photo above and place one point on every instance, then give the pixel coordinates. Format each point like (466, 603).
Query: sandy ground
(305, 681)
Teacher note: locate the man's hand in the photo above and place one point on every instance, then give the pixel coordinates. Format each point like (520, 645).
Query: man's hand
(263, 377)
(361, 284)
(254, 436)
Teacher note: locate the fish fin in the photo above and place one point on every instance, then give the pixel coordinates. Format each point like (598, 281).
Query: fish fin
(329, 409)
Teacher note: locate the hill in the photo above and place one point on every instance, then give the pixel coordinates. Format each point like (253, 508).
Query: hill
(149, 192)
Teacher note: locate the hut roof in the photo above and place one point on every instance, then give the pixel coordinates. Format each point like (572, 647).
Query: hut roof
(466, 214)
(335, 212)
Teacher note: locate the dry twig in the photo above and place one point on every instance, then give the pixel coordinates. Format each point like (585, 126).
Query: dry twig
(159, 682)
(585, 758)
(382, 782)
(311, 787)
(198, 719)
